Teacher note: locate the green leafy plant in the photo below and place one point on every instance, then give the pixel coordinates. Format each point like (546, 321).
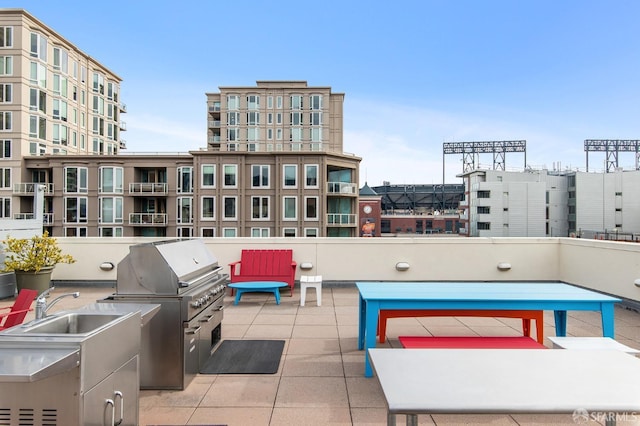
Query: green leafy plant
(33, 254)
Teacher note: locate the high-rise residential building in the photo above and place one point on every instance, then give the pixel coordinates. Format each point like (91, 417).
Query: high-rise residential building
(54, 100)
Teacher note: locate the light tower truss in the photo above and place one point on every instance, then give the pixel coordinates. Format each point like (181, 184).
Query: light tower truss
(612, 147)
(471, 150)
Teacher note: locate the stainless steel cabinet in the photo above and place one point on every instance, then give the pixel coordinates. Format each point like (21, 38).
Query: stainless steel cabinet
(114, 401)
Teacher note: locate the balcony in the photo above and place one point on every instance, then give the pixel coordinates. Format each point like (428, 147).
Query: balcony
(123, 107)
(214, 123)
(47, 217)
(29, 188)
(341, 219)
(123, 125)
(342, 188)
(147, 188)
(147, 219)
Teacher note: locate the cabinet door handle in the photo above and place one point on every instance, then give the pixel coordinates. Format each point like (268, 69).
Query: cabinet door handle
(118, 395)
(113, 410)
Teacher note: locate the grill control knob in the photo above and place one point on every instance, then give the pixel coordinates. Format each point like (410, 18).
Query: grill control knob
(195, 304)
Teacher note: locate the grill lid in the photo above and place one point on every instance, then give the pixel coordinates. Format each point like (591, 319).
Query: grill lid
(165, 267)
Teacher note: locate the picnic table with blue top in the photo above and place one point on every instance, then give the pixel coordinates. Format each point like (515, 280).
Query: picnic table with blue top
(557, 297)
(258, 286)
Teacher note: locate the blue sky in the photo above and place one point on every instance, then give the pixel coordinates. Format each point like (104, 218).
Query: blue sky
(415, 73)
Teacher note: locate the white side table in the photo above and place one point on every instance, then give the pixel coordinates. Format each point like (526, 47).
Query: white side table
(591, 343)
(307, 281)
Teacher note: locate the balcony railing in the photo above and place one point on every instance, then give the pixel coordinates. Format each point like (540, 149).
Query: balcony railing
(342, 188)
(47, 217)
(147, 219)
(145, 188)
(214, 123)
(123, 126)
(341, 219)
(29, 188)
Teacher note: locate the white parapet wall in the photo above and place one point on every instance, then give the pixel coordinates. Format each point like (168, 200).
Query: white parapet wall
(610, 267)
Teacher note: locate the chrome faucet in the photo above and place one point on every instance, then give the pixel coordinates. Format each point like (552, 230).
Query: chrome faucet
(41, 302)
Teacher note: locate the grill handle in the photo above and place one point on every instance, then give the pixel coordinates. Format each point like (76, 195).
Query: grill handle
(206, 276)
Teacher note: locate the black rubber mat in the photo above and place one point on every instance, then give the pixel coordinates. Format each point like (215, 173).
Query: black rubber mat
(245, 357)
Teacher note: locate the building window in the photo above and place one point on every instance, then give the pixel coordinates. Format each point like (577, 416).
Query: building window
(296, 135)
(5, 148)
(253, 102)
(259, 176)
(6, 36)
(208, 176)
(233, 118)
(37, 100)
(279, 102)
(230, 209)
(111, 180)
(6, 93)
(98, 83)
(110, 231)
(315, 102)
(38, 74)
(290, 174)
(110, 209)
(60, 60)
(6, 65)
(185, 211)
(484, 194)
(207, 232)
(208, 208)
(296, 119)
(260, 207)
(311, 176)
(289, 208)
(75, 209)
(37, 127)
(233, 102)
(59, 110)
(5, 120)
(184, 232)
(311, 232)
(76, 231)
(5, 207)
(484, 210)
(289, 232)
(315, 119)
(75, 180)
(311, 208)
(484, 226)
(229, 232)
(296, 102)
(185, 180)
(260, 232)
(38, 47)
(270, 102)
(230, 175)
(5, 178)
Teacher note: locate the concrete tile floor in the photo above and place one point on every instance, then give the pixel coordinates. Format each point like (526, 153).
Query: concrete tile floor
(320, 380)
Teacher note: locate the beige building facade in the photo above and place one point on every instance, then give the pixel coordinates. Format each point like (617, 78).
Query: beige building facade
(272, 164)
(54, 100)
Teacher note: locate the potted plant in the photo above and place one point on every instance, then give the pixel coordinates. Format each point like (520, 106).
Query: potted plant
(33, 259)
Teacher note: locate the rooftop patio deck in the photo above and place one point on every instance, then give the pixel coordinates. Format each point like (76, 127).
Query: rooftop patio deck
(320, 380)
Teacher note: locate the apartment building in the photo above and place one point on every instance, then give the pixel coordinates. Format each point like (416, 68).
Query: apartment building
(272, 164)
(54, 100)
(239, 186)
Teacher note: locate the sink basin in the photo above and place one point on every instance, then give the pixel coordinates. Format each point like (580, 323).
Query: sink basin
(71, 323)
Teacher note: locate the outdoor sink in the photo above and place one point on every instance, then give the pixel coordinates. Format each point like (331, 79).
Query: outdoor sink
(70, 323)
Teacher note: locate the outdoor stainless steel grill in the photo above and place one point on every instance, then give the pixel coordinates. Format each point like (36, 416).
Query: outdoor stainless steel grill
(182, 276)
